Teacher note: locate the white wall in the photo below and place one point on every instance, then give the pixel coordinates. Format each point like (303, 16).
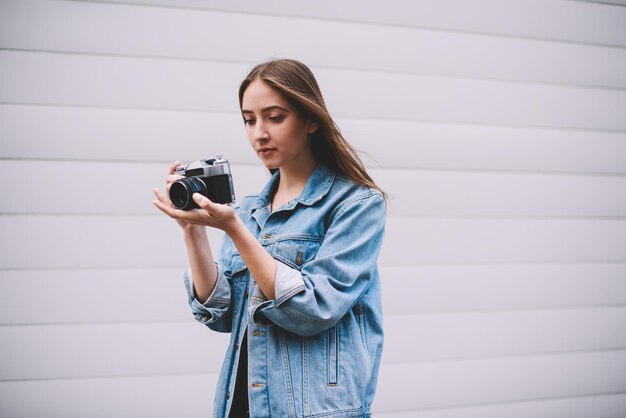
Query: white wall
(499, 127)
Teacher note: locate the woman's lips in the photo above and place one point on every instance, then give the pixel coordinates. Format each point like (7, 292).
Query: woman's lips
(265, 152)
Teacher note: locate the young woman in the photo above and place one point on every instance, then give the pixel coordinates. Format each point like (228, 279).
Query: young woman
(296, 282)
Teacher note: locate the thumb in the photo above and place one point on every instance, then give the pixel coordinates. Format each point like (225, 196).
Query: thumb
(202, 201)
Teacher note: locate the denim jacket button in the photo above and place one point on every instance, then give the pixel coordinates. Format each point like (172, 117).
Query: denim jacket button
(299, 259)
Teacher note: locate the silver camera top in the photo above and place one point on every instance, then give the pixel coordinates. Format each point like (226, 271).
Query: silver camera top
(205, 168)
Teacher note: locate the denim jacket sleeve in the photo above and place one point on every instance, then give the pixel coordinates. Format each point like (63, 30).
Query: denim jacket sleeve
(215, 312)
(313, 299)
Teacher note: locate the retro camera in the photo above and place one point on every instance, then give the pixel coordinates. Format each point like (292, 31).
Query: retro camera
(211, 178)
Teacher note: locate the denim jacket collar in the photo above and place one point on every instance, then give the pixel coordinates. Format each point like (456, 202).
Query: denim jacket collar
(317, 186)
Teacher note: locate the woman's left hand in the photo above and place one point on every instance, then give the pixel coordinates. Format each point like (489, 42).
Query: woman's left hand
(211, 214)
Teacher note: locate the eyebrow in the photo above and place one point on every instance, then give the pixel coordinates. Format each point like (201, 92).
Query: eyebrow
(265, 109)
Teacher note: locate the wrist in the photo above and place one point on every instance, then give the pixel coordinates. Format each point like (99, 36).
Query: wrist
(194, 232)
(233, 227)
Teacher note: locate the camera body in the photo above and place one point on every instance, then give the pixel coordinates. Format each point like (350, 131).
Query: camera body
(210, 177)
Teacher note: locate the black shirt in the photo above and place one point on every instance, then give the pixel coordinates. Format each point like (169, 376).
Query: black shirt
(240, 407)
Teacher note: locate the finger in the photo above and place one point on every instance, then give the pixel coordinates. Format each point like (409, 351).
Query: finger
(171, 212)
(159, 196)
(194, 216)
(164, 198)
(173, 177)
(173, 167)
(162, 207)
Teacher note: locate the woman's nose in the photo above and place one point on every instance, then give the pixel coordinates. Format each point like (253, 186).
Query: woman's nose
(260, 133)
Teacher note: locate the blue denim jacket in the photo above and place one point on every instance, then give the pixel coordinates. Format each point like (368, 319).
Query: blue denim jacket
(314, 351)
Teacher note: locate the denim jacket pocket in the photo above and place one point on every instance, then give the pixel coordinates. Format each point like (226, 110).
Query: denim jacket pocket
(333, 355)
(296, 250)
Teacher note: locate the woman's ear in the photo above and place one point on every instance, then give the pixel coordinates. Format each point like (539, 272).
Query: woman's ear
(311, 128)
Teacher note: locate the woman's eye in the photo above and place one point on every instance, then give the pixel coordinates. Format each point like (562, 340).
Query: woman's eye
(278, 118)
(248, 121)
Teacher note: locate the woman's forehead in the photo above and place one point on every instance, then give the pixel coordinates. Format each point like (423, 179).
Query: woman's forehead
(260, 95)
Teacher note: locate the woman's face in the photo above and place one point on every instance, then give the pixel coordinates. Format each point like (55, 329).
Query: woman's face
(276, 130)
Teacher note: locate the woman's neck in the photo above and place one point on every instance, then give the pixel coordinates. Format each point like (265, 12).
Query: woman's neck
(292, 181)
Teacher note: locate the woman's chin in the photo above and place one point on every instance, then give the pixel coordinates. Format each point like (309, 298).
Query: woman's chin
(270, 165)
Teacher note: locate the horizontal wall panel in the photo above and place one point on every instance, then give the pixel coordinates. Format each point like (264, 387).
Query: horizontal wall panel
(123, 134)
(411, 290)
(193, 34)
(156, 135)
(100, 188)
(83, 80)
(607, 406)
(124, 188)
(68, 351)
(611, 2)
(440, 193)
(455, 336)
(467, 288)
(88, 296)
(432, 385)
(439, 99)
(64, 351)
(121, 397)
(107, 242)
(508, 17)
(109, 350)
(410, 241)
(102, 242)
(416, 386)
(464, 146)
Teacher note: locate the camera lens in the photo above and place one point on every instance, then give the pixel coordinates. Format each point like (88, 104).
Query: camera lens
(182, 190)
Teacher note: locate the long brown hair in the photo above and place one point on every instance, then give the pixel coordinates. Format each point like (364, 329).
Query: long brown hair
(296, 83)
